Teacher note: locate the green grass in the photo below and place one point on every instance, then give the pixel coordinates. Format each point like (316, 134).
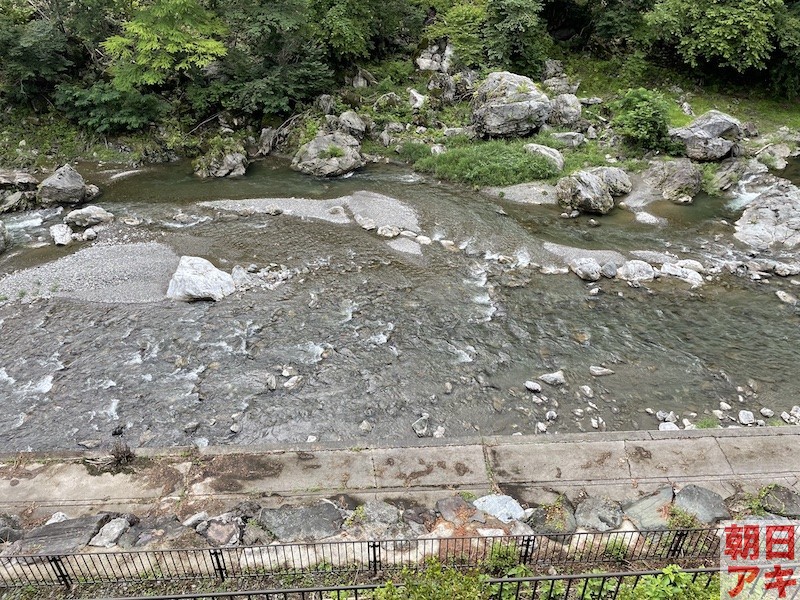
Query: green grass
(707, 423)
(488, 163)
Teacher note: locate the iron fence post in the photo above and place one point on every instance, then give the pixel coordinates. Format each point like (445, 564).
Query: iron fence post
(374, 553)
(527, 548)
(218, 561)
(61, 573)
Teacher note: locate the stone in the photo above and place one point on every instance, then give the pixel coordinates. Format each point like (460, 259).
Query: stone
(636, 270)
(10, 528)
(711, 136)
(746, 417)
(507, 104)
(533, 386)
(436, 57)
(503, 508)
(772, 218)
(438, 149)
(443, 87)
(553, 520)
(229, 164)
(668, 426)
(650, 512)
(587, 269)
(707, 507)
(60, 537)
(679, 180)
(767, 412)
(598, 514)
(782, 501)
(455, 509)
(197, 279)
(420, 426)
(415, 99)
(196, 519)
(110, 533)
(615, 179)
(775, 155)
(61, 234)
(570, 139)
(352, 124)
(584, 191)
(566, 110)
(65, 186)
(554, 379)
(692, 277)
(560, 84)
(553, 156)
(388, 231)
(5, 238)
(88, 216)
(786, 297)
(329, 155)
(221, 531)
(599, 371)
(306, 523)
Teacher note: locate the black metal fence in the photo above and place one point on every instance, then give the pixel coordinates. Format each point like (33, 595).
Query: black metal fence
(693, 547)
(594, 586)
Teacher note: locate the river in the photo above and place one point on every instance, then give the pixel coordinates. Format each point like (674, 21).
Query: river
(380, 336)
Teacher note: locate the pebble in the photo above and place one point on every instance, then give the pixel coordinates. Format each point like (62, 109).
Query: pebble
(311, 439)
(541, 427)
(438, 432)
(423, 240)
(388, 231)
(649, 411)
(599, 371)
(420, 426)
(746, 417)
(587, 391)
(551, 415)
(594, 291)
(533, 386)
(365, 426)
(718, 413)
(293, 382)
(766, 412)
(578, 412)
(667, 426)
(448, 387)
(724, 406)
(786, 297)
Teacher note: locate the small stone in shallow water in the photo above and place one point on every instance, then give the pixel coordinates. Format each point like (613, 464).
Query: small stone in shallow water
(746, 417)
(533, 386)
(365, 426)
(420, 426)
(766, 412)
(438, 432)
(551, 415)
(541, 427)
(786, 297)
(388, 231)
(293, 382)
(599, 371)
(587, 391)
(667, 426)
(556, 378)
(423, 240)
(724, 406)
(718, 413)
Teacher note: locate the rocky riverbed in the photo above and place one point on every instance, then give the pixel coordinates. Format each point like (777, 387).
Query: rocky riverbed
(388, 306)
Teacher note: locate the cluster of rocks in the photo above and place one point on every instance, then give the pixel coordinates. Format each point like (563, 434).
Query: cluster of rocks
(250, 525)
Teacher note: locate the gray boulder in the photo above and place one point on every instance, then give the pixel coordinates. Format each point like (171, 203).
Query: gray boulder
(509, 105)
(352, 124)
(10, 528)
(503, 508)
(636, 270)
(587, 269)
(566, 110)
(109, 534)
(615, 179)
(560, 84)
(707, 506)
(678, 180)
(711, 136)
(443, 87)
(584, 191)
(198, 279)
(17, 181)
(552, 155)
(267, 141)
(18, 201)
(782, 501)
(555, 519)
(598, 514)
(231, 164)
(302, 523)
(772, 218)
(329, 155)
(570, 139)
(65, 186)
(775, 156)
(61, 234)
(88, 216)
(436, 57)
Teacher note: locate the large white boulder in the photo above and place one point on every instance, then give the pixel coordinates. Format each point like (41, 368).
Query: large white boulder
(329, 155)
(507, 104)
(197, 279)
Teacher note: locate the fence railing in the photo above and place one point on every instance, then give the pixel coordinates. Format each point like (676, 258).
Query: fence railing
(693, 546)
(594, 586)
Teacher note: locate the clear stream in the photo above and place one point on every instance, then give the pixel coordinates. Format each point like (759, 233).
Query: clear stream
(378, 336)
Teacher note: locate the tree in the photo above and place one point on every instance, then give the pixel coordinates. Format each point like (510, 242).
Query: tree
(163, 39)
(739, 34)
(515, 36)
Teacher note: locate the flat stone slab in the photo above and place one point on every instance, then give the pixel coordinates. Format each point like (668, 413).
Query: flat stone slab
(598, 514)
(62, 537)
(782, 501)
(303, 523)
(757, 454)
(651, 512)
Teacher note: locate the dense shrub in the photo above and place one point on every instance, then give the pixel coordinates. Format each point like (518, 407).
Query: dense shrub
(106, 109)
(642, 119)
(488, 163)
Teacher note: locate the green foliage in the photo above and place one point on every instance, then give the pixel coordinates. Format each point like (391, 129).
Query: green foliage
(332, 151)
(515, 36)
(707, 422)
(673, 584)
(617, 549)
(34, 57)
(436, 582)
(488, 163)
(411, 152)
(730, 33)
(164, 39)
(642, 119)
(501, 559)
(678, 518)
(462, 25)
(105, 109)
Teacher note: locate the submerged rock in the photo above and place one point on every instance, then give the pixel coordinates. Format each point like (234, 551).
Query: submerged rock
(88, 216)
(197, 279)
(5, 239)
(231, 164)
(636, 270)
(507, 104)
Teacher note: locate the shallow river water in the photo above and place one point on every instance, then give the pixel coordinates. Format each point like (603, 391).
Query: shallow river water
(381, 336)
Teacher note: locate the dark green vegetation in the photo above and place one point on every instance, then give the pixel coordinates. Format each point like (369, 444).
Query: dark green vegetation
(151, 72)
